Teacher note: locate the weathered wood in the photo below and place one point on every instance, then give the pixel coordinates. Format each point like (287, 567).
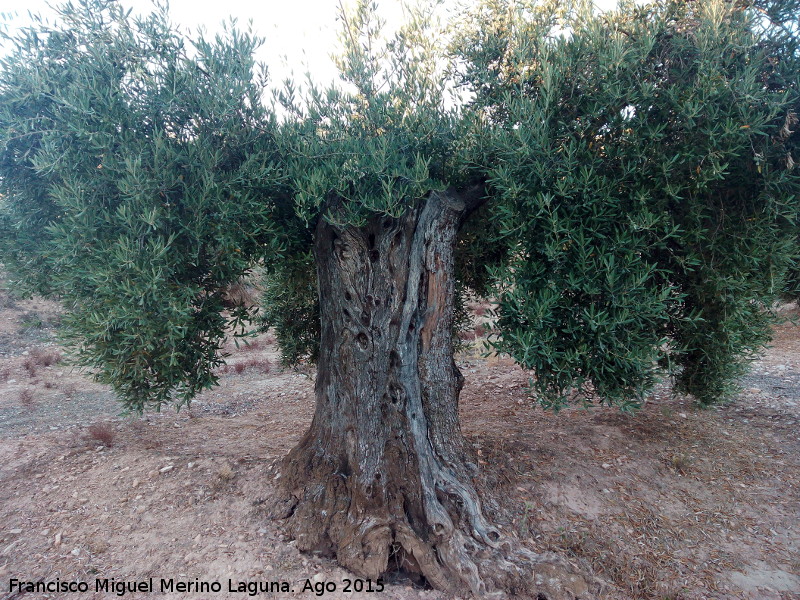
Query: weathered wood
(382, 478)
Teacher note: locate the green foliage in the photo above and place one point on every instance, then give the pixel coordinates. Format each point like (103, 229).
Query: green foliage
(383, 140)
(377, 144)
(782, 42)
(139, 178)
(641, 213)
(291, 306)
(644, 185)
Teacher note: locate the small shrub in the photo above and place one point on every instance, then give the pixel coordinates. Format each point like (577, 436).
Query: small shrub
(46, 358)
(250, 346)
(29, 364)
(26, 398)
(224, 475)
(681, 463)
(225, 472)
(262, 365)
(102, 433)
(40, 358)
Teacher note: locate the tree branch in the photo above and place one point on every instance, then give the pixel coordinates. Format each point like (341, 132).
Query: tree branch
(473, 198)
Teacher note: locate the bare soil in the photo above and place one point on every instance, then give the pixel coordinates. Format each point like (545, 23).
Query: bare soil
(673, 503)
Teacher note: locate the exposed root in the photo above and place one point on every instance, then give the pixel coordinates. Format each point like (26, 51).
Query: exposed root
(456, 552)
(381, 472)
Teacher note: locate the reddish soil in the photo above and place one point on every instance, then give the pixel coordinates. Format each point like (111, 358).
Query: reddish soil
(672, 503)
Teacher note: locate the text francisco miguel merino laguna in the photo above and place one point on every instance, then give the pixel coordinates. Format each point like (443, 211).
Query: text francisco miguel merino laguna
(168, 586)
(120, 588)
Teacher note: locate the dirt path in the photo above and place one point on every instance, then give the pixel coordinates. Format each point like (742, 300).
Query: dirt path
(674, 503)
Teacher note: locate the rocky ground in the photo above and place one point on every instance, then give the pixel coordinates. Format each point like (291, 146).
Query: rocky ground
(672, 503)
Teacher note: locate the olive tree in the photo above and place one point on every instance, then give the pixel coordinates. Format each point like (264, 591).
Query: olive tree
(620, 183)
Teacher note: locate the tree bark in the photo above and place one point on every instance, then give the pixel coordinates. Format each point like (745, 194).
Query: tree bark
(382, 478)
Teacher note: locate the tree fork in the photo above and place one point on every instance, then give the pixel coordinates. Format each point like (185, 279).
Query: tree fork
(381, 476)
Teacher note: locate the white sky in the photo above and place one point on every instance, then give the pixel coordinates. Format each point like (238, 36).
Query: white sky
(300, 34)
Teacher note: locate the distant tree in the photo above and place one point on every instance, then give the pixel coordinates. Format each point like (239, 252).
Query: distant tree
(621, 183)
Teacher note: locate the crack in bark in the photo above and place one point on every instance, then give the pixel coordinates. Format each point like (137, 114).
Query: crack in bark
(381, 471)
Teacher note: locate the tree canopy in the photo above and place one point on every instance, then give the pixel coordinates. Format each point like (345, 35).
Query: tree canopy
(622, 185)
(636, 170)
(644, 172)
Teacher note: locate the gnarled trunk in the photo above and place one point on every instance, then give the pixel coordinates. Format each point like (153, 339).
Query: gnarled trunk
(381, 480)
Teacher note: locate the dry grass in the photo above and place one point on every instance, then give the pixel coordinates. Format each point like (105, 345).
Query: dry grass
(241, 293)
(101, 433)
(681, 463)
(224, 475)
(46, 357)
(250, 345)
(40, 358)
(30, 366)
(26, 398)
(260, 365)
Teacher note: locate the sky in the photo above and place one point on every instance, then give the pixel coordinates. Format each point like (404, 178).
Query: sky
(300, 34)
